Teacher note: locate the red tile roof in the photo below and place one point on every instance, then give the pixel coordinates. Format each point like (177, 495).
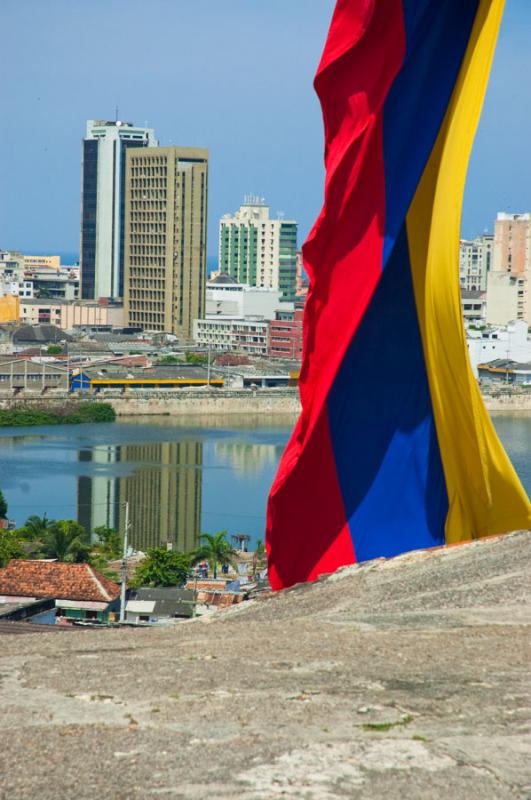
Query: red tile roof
(58, 580)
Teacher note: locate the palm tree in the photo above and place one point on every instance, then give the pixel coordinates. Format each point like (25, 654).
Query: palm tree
(259, 557)
(216, 550)
(35, 527)
(64, 540)
(3, 506)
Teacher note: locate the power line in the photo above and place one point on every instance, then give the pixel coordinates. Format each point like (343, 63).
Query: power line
(121, 503)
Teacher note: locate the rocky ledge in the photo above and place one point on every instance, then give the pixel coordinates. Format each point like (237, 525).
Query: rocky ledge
(400, 678)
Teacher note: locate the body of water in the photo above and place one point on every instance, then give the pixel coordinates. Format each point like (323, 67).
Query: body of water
(179, 479)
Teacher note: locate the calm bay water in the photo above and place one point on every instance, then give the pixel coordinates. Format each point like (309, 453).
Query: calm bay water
(180, 479)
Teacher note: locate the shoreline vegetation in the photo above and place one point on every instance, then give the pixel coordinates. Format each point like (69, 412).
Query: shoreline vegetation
(70, 413)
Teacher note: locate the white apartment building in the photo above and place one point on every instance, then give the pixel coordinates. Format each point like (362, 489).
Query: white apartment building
(225, 297)
(511, 342)
(475, 262)
(257, 250)
(19, 288)
(248, 336)
(37, 276)
(103, 204)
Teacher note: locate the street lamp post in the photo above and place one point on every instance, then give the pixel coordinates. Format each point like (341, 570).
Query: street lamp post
(124, 565)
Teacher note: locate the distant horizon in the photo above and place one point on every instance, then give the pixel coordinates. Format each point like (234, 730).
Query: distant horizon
(70, 257)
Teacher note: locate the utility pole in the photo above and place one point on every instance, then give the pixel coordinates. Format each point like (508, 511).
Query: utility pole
(208, 365)
(124, 564)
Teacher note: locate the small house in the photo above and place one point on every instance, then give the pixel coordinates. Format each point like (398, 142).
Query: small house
(160, 605)
(78, 590)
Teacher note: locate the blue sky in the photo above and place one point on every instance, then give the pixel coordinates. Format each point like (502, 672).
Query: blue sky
(234, 76)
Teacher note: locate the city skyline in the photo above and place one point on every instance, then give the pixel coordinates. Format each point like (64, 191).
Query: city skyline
(259, 54)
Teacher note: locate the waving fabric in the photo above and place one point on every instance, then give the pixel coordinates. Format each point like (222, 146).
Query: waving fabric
(394, 449)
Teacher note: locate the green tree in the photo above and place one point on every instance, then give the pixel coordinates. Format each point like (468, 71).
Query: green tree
(162, 567)
(216, 550)
(196, 358)
(108, 548)
(35, 527)
(54, 349)
(110, 544)
(65, 541)
(3, 506)
(259, 557)
(10, 547)
(169, 360)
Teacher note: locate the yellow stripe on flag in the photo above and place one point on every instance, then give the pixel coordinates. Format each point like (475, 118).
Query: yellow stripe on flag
(484, 493)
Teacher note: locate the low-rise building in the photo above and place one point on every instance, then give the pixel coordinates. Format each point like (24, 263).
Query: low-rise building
(285, 336)
(79, 591)
(69, 314)
(120, 377)
(22, 374)
(505, 371)
(249, 335)
(42, 262)
(152, 606)
(37, 276)
(511, 343)
(473, 306)
(57, 284)
(225, 297)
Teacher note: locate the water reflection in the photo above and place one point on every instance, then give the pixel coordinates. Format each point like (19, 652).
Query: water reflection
(164, 495)
(248, 459)
(181, 476)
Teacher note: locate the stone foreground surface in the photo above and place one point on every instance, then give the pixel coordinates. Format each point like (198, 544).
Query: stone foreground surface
(406, 678)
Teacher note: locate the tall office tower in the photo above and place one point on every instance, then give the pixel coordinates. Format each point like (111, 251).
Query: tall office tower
(102, 204)
(257, 250)
(475, 261)
(512, 256)
(165, 238)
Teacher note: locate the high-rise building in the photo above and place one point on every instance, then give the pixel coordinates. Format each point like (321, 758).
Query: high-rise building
(257, 250)
(102, 204)
(165, 238)
(475, 262)
(512, 256)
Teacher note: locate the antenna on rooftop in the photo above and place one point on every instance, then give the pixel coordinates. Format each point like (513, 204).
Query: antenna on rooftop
(116, 113)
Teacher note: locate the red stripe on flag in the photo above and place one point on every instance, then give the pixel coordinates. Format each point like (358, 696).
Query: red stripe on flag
(306, 525)
(310, 501)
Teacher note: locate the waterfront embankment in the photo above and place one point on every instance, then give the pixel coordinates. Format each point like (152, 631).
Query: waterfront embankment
(270, 402)
(226, 402)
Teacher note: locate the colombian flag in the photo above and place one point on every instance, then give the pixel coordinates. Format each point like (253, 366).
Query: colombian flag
(394, 450)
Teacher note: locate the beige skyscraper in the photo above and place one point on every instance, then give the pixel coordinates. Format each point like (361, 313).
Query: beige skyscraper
(165, 238)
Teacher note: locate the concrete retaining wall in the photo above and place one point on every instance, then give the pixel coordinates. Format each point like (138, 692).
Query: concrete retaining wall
(185, 403)
(224, 402)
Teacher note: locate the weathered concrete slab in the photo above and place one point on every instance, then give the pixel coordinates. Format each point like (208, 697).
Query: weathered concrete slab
(407, 678)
